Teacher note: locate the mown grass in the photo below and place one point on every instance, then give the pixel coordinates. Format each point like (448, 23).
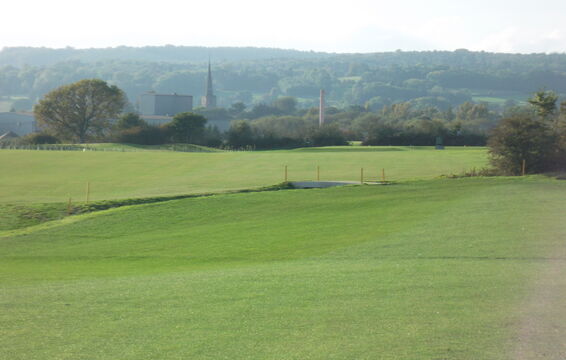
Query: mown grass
(419, 270)
(15, 216)
(136, 147)
(54, 176)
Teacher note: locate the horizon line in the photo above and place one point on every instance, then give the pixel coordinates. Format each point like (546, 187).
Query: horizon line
(2, 48)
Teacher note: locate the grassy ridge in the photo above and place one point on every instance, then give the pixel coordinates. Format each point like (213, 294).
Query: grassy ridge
(22, 215)
(53, 176)
(420, 270)
(16, 216)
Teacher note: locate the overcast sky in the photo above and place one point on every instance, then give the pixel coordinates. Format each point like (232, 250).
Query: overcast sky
(332, 26)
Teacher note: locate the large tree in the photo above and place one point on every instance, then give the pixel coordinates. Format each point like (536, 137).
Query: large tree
(81, 109)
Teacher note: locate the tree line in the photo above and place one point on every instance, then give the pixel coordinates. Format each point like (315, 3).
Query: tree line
(93, 110)
(83, 111)
(524, 139)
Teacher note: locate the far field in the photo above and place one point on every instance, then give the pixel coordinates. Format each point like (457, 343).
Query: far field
(54, 176)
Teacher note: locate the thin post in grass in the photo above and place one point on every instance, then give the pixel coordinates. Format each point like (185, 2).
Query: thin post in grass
(286, 177)
(87, 191)
(69, 206)
(361, 176)
(383, 175)
(523, 168)
(318, 173)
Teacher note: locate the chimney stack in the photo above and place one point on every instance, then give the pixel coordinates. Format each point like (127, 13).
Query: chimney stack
(321, 109)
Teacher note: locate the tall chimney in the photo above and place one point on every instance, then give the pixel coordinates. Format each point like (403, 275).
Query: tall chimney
(321, 109)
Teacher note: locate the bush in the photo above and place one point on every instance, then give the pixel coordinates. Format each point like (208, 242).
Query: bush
(327, 135)
(466, 140)
(212, 137)
(188, 128)
(397, 136)
(146, 135)
(240, 134)
(38, 139)
(272, 141)
(521, 137)
(130, 120)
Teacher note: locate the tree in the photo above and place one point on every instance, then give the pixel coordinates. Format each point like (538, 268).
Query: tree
(130, 120)
(522, 138)
(237, 109)
(327, 135)
(81, 109)
(562, 122)
(261, 110)
(240, 134)
(286, 105)
(39, 138)
(188, 127)
(143, 135)
(545, 103)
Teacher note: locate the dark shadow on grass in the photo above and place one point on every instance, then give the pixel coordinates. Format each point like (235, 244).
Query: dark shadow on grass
(558, 175)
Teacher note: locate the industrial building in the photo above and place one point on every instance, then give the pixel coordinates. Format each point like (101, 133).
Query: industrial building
(153, 104)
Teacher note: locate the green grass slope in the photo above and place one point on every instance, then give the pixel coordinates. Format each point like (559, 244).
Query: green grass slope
(53, 176)
(136, 147)
(420, 270)
(15, 216)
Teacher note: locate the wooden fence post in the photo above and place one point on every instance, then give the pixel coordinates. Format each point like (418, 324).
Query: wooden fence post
(87, 191)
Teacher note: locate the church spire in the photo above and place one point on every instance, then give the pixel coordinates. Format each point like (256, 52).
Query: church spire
(209, 99)
(209, 81)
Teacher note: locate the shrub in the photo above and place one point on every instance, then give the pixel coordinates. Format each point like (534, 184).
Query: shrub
(188, 127)
(521, 137)
(211, 137)
(38, 139)
(147, 135)
(327, 135)
(240, 134)
(130, 120)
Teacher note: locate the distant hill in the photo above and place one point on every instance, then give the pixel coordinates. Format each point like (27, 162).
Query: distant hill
(440, 79)
(19, 56)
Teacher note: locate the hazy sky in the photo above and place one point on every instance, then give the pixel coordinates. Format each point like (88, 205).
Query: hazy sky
(333, 26)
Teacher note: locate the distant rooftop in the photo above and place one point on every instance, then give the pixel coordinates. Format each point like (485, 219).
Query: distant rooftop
(9, 135)
(156, 94)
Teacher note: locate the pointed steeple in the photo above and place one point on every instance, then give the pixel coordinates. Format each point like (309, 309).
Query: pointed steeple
(208, 100)
(209, 81)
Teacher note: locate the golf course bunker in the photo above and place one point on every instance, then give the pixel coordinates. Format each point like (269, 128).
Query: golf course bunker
(321, 184)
